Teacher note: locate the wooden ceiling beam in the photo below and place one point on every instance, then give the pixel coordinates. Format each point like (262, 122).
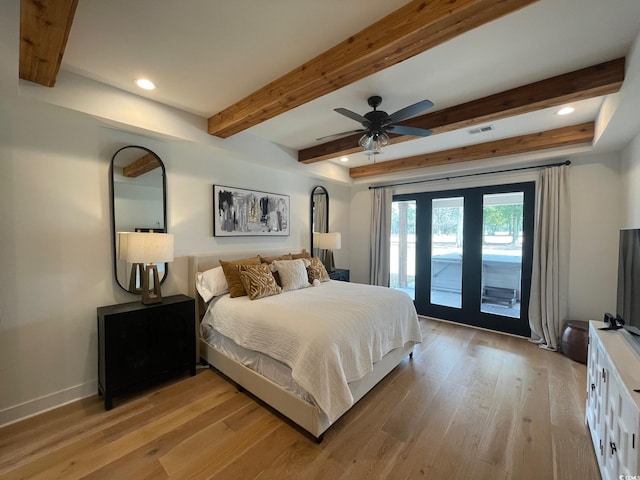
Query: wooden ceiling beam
(44, 30)
(594, 81)
(140, 166)
(406, 32)
(559, 137)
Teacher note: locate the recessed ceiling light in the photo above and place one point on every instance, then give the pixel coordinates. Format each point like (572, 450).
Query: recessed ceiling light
(344, 159)
(145, 84)
(565, 111)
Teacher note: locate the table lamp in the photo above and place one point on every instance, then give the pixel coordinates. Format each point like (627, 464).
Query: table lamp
(329, 242)
(149, 248)
(137, 269)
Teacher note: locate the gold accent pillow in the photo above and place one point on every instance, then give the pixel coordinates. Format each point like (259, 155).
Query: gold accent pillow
(317, 271)
(258, 281)
(230, 269)
(271, 259)
(295, 256)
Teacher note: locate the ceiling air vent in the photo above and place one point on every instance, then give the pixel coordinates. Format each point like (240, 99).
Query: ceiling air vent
(487, 128)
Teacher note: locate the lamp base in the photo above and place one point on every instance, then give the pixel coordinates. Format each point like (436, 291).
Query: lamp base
(151, 296)
(137, 272)
(328, 261)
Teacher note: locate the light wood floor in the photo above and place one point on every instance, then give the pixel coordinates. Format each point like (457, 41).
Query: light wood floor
(470, 405)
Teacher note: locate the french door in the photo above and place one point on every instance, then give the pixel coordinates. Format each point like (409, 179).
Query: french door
(466, 255)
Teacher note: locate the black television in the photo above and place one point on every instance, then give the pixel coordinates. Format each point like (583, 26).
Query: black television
(628, 299)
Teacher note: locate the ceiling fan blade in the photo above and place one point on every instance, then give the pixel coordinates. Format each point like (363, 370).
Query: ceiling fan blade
(405, 130)
(410, 111)
(352, 115)
(343, 134)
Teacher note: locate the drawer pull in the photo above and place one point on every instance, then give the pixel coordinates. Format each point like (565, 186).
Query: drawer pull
(593, 387)
(613, 447)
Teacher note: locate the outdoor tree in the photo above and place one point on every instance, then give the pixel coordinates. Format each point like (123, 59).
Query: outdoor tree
(503, 218)
(410, 212)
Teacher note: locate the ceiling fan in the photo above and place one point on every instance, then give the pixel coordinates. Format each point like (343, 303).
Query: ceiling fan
(377, 124)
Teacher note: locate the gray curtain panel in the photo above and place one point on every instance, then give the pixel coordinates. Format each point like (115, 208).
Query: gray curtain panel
(548, 308)
(379, 264)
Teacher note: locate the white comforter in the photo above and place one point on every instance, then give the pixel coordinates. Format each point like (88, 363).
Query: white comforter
(328, 335)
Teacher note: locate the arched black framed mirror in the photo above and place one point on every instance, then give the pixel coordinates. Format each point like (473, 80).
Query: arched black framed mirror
(138, 203)
(319, 214)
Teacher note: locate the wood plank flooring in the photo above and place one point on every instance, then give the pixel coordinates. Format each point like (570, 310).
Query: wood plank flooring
(471, 404)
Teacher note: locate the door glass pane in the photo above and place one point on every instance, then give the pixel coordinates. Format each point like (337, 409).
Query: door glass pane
(502, 253)
(403, 247)
(446, 251)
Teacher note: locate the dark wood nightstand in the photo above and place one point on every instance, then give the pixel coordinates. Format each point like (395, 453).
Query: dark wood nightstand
(141, 344)
(341, 274)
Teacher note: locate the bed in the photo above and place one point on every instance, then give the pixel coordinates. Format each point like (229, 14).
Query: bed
(335, 342)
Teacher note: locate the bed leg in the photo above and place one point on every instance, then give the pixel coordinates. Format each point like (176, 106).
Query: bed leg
(320, 438)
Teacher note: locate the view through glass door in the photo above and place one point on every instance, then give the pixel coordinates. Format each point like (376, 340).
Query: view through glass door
(466, 255)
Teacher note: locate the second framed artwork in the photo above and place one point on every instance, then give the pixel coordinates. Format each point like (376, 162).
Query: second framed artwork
(239, 212)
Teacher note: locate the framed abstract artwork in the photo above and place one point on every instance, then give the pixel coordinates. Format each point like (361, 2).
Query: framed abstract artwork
(238, 212)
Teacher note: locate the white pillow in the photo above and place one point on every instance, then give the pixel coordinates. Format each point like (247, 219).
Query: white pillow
(293, 274)
(211, 283)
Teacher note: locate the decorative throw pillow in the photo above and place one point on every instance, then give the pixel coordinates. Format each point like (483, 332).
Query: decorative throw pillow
(258, 281)
(271, 259)
(230, 269)
(317, 271)
(293, 274)
(211, 283)
(295, 256)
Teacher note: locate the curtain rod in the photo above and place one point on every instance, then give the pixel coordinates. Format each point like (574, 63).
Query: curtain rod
(566, 162)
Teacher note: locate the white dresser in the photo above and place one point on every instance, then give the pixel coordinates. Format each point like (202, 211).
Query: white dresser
(613, 408)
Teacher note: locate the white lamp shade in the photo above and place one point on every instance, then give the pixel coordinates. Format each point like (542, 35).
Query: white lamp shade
(149, 247)
(329, 241)
(122, 245)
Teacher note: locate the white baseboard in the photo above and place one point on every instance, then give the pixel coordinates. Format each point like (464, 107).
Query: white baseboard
(28, 409)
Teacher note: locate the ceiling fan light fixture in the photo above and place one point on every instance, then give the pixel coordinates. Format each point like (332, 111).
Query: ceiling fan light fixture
(373, 142)
(366, 141)
(376, 122)
(382, 139)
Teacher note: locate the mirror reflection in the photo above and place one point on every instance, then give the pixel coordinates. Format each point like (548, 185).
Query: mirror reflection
(319, 215)
(138, 204)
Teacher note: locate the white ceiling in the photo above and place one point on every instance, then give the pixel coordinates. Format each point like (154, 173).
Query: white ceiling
(205, 55)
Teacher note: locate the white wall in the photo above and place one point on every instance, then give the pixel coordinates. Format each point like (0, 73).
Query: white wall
(595, 223)
(56, 255)
(630, 175)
